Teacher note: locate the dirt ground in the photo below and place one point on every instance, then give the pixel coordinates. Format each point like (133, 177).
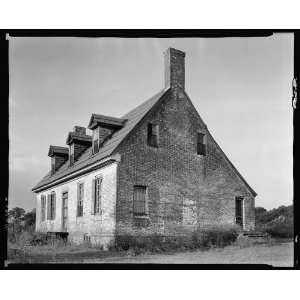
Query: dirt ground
(279, 255)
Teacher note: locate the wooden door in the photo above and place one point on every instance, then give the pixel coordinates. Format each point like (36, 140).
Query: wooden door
(239, 211)
(64, 211)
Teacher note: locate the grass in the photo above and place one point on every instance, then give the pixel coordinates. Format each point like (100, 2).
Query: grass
(150, 241)
(24, 248)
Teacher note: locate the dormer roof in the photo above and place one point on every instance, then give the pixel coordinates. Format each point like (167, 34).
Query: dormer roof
(76, 137)
(106, 122)
(58, 150)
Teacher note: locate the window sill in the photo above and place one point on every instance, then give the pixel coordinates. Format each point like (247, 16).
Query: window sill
(141, 217)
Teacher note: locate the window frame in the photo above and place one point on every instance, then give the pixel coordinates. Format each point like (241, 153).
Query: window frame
(97, 208)
(201, 143)
(80, 199)
(51, 206)
(43, 207)
(95, 143)
(71, 154)
(136, 212)
(153, 134)
(64, 204)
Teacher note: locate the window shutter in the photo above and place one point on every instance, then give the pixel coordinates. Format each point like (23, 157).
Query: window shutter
(93, 196)
(78, 198)
(48, 206)
(81, 199)
(53, 206)
(155, 129)
(153, 135)
(100, 195)
(201, 147)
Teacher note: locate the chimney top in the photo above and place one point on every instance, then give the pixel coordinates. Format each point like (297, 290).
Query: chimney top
(174, 68)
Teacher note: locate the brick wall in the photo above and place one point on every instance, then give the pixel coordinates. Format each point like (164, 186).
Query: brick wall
(183, 187)
(100, 228)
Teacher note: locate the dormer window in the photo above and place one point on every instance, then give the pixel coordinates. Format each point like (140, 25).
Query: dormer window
(78, 142)
(153, 135)
(96, 140)
(59, 155)
(201, 146)
(103, 128)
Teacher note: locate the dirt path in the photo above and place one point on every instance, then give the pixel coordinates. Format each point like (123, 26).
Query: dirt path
(280, 255)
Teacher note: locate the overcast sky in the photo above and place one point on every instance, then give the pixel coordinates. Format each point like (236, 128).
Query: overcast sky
(241, 88)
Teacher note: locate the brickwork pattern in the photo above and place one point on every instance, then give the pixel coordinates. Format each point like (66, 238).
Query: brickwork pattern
(183, 187)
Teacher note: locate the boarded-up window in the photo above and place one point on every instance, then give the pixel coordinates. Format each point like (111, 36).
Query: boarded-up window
(201, 147)
(140, 201)
(43, 208)
(153, 135)
(80, 191)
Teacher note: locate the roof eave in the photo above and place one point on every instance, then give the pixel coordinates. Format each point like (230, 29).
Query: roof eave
(84, 169)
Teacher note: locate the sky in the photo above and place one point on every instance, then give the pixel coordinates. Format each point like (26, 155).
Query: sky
(241, 88)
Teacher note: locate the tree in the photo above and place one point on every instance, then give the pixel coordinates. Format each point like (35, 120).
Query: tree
(29, 219)
(16, 218)
(16, 214)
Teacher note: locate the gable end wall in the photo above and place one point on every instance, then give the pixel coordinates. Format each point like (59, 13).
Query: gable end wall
(183, 187)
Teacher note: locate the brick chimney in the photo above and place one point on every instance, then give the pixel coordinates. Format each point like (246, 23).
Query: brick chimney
(174, 68)
(59, 155)
(78, 142)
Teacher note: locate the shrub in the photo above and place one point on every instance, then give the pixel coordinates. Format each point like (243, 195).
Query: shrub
(141, 241)
(280, 230)
(277, 222)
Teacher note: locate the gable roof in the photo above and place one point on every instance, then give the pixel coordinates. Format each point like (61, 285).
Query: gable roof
(87, 158)
(130, 121)
(220, 149)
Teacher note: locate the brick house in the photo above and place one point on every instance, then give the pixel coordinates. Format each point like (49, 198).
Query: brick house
(157, 165)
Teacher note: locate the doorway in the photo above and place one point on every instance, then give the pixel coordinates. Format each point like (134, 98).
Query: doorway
(239, 211)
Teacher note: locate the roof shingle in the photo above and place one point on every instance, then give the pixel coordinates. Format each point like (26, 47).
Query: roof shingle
(87, 158)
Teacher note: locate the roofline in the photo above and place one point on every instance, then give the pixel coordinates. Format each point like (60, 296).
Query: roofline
(164, 92)
(225, 156)
(96, 165)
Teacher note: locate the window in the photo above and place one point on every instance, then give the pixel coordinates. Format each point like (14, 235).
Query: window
(201, 147)
(97, 184)
(72, 154)
(51, 206)
(64, 210)
(96, 140)
(43, 208)
(52, 165)
(239, 211)
(153, 135)
(140, 201)
(80, 191)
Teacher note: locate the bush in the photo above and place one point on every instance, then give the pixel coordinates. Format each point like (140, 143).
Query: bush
(280, 230)
(185, 239)
(277, 222)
